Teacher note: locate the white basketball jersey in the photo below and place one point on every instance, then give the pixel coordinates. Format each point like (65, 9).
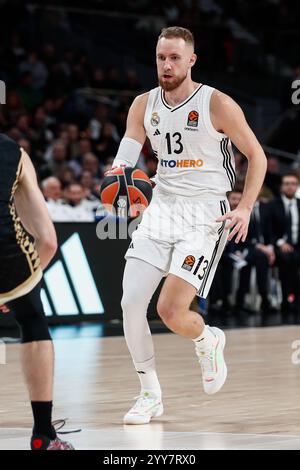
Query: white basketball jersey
(193, 158)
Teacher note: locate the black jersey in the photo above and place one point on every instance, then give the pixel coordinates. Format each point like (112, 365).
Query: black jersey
(19, 262)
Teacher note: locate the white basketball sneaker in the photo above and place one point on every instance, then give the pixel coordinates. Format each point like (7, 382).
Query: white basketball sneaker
(211, 359)
(147, 406)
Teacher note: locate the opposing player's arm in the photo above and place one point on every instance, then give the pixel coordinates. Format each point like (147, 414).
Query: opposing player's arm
(135, 135)
(33, 212)
(228, 117)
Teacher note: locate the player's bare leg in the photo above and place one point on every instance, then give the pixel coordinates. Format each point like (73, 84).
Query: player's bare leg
(37, 360)
(174, 309)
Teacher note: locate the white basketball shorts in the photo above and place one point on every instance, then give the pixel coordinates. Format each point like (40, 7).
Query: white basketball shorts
(180, 236)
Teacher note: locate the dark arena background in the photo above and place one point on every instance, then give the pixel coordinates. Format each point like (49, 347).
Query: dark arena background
(69, 72)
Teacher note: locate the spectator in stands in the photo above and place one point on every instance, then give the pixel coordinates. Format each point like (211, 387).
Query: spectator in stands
(89, 185)
(62, 136)
(108, 164)
(109, 141)
(31, 97)
(57, 158)
(51, 188)
(49, 55)
(112, 80)
(23, 125)
(37, 69)
(131, 80)
(15, 52)
(121, 118)
(259, 253)
(98, 120)
(14, 133)
(90, 163)
(73, 139)
(273, 178)
(80, 209)
(85, 146)
(52, 191)
(222, 287)
(14, 106)
(66, 175)
(26, 145)
(40, 125)
(284, 214)
(97, 78)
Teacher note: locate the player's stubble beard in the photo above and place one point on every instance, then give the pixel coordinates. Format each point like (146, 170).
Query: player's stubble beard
(170, 86)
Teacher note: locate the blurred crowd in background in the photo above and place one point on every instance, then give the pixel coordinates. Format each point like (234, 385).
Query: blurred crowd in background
(72, 73)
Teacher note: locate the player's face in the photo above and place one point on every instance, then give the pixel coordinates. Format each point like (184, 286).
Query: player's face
(174, 59)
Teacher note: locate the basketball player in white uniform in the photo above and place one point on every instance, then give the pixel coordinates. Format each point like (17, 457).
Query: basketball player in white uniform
(185, 228)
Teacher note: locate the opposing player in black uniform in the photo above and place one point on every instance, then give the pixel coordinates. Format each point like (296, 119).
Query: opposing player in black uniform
(27, 244)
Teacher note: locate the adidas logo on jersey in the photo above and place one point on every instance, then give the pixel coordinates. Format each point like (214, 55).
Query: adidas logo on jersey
(156, 132)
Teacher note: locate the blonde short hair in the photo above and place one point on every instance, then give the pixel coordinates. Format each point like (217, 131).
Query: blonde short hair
(177, 32)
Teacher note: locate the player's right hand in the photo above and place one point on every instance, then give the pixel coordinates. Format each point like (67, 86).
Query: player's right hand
(111, 171)
(239, 221)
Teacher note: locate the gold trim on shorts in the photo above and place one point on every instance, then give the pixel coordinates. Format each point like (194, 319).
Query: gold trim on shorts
(27, 247)
(22, 237)
(23, 288)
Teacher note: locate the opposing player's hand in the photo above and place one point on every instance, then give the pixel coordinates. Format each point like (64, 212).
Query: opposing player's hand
(238, 223)
(4, 309)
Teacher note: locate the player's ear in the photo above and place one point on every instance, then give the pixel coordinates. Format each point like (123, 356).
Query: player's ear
(193, 59)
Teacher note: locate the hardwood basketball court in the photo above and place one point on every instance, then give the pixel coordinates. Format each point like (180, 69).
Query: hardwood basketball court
(258, 408)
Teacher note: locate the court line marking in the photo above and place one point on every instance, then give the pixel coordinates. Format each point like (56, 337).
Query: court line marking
(296, 436)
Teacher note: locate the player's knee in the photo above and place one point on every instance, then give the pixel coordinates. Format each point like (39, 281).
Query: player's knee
(33, 326)
(29, 314)
(133, 300)
(128, 302)
(167, 312)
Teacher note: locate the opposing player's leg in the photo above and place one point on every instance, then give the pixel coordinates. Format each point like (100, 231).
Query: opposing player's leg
(141, 279)
(37, 357)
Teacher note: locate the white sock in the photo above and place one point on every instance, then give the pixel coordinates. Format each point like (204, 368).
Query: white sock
(148, 377)
(206, 335)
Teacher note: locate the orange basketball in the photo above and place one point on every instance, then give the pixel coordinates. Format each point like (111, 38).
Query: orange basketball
(126, 191)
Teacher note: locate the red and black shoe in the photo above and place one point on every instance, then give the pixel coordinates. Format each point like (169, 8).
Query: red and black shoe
(40, 442)
(44, 443)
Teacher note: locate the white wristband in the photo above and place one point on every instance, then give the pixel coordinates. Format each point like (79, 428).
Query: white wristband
(128, 153)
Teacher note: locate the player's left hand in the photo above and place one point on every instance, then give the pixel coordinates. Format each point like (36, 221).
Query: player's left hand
(239, 220)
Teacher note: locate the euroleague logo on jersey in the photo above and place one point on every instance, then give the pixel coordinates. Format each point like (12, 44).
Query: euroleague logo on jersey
(189, 263)
(193, 118)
